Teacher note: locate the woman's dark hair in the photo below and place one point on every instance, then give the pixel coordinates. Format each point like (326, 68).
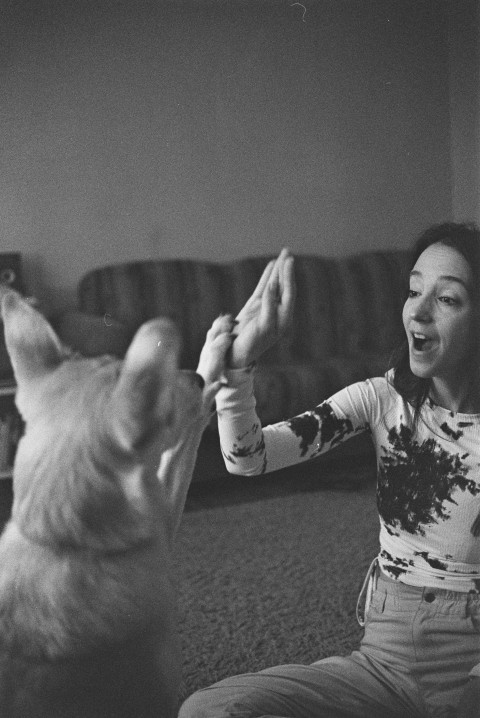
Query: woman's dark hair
(465, 239)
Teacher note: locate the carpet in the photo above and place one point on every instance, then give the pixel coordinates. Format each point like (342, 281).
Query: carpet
(264, 579)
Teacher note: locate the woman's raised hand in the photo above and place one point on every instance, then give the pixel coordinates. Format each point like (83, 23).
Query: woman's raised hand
(267, 313)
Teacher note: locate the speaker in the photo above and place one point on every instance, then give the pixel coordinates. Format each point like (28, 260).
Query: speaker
(11, 274)
(10, 270)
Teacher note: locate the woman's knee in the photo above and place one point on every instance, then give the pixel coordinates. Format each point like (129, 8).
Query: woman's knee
(218, 701)
(194, 707)
(287, 690)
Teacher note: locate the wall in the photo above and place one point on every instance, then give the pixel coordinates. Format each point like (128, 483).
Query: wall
(464, 51)
(215, 129)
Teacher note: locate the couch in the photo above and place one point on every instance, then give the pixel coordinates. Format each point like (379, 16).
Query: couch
(347, 321)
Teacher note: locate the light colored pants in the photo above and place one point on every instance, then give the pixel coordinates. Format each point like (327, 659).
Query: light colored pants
(418, 649)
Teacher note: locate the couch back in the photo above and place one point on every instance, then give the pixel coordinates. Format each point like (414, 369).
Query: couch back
(345, 306)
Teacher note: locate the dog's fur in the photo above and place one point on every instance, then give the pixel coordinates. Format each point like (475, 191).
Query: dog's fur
(87, 625)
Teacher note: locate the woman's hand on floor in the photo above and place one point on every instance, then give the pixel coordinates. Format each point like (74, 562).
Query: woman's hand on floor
(267, 313)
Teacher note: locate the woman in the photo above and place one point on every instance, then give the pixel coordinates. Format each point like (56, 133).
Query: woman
(420, 655)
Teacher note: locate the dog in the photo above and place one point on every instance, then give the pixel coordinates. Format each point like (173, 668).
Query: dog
(87, 607)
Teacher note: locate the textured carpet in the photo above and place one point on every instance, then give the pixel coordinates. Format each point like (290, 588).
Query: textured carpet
(265, 579)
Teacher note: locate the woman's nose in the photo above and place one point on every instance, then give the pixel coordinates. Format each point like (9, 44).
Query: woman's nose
(421, 310)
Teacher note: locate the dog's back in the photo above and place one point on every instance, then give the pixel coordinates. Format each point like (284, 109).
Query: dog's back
(87, 624)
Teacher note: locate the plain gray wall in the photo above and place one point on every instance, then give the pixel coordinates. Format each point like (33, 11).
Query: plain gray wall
(218, 129)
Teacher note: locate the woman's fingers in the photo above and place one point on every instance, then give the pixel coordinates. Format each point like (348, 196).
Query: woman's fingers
(286, 267)
(277, 274)
(252, 303)
(288, 292)
(282, 287)
(271, 273)
(268, 310)
(263, 281)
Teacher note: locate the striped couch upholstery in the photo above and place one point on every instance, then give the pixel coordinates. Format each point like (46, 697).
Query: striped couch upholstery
(347, 316)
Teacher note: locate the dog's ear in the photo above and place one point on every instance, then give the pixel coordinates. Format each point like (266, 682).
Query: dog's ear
(32, 345)
(143, 399)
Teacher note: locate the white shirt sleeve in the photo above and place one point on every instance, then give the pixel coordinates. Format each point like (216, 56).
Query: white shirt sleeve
(249, 450)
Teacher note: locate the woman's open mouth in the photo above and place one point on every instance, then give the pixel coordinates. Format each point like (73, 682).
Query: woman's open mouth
(421, 343)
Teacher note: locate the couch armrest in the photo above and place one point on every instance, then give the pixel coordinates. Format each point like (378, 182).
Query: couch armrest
(92, 335)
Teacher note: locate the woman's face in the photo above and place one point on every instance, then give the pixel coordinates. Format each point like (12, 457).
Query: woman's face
(438, 315)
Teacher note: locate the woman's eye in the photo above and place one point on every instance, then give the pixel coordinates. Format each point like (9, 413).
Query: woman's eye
(412, 293)
(448, 300)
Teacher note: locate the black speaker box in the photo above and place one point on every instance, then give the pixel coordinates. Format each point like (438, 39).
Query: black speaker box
(11, 274)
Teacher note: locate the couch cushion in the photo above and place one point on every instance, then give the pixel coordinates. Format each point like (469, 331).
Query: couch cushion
(347, 306)
(192, 293)
(282, 391)
(92, 335)
(371, 289)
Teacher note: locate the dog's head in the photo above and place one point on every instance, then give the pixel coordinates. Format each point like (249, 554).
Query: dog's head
(95, 428)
